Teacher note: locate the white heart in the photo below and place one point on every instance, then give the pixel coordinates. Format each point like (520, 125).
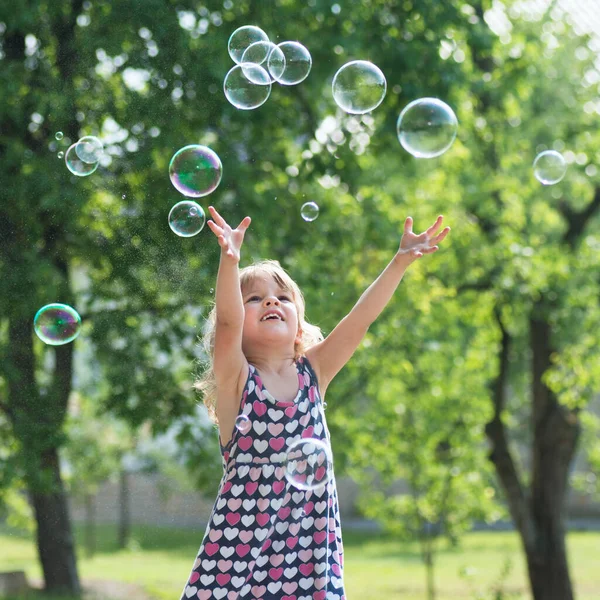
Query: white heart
(236, 490)
(190, 591)
(226, 551)
(268, 470)
(247, 520)
(278, 545)
(237, 581)
(207, 579)
(208, 565)
(243, 470)
(290, 573)
(307, 522)
(260, 575)
(261, 561)
(282, 527)
(274, 586)
(275, 414)
(221, 503)
(260, 445)
(260, 534)
(319, 552)
(291, 426)
(248, 505)
(290, 558)
(218, 519)
(305, 541)
(220, 593)
(306, 582)
(231, 532)
(239, 566)
(259, 427)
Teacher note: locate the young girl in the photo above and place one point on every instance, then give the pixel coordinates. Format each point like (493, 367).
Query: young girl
(266, 538)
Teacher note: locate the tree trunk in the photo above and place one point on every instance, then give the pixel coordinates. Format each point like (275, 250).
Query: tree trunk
(90, 525)
(124, 513)
(56, 549)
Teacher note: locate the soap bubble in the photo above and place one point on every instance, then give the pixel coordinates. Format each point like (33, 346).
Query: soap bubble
(61, 154)
(56, 324)
(241, 89)
(59, 135)
(427, 127)
(89, 149)
(309, 211)
(186, 218)
(76, 165)
(291, 65)
(308, 464)
(195, 170)
(243, 423)
(549, 167)
(359, 87)
(243, 37)
(259, 54)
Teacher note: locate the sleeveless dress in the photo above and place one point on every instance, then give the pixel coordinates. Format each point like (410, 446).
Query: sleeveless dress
(267, 539)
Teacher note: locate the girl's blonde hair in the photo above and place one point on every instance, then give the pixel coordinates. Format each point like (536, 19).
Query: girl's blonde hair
(311, 334)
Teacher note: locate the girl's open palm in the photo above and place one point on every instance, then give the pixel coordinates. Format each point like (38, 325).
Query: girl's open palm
(229, 239)
(424, 243)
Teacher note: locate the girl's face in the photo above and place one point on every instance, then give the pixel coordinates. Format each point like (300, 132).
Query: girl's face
(270, 313)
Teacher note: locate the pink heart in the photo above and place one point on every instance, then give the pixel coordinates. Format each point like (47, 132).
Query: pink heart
(331, 537)
(224, 565)
(276, 443)
(319, 595)
(204, 594)
(336, 569)
(291, 542)
(288, 598)
(276, 573)
(308, 507)
(215, 535)
(319, 536)
(211, 549)
(320, 523)
(278, 486)
(305, 419)
(233, 518)
(291, 411)
(255, 473)
(263, 504)
(242, 549)
(306, 569)
(305, 555)
(308, 432)
(262, 519)
(284, 512)
(311, 393)
(246, 536)
(294, 528)
(266, 545)
(234, 503)
(251, 487)
(258, 591)
(194, 577)
(223, 578)
(320, 474)
(260, 408)
(276, 559)
(275, 428)
(233, 595)
(226, 487)
(289, 587)
(245, 443)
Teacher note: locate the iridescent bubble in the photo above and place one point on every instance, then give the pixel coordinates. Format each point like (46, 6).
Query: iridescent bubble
(308, 464)
(241, 38)
(242, 90)
(427, 127)
(76, 165)
(290, 66)
(309, 211)
(59, 135)
(359, 87)
(549, 167)
(61, 154)
(186, 218)
(243, 423)
(195, 170)
(89, 149)
(258, 53)
(56, 324)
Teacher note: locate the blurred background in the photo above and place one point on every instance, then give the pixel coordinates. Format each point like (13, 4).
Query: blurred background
(464, 429)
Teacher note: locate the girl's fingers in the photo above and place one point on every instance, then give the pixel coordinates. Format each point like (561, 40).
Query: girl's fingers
(408, 225)
(435, 226)
(244, 224)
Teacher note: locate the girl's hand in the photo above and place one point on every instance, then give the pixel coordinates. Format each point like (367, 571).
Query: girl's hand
(425, 243)
(229, 239)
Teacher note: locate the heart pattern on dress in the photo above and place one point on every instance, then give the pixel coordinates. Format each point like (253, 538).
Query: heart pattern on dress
(265, 539)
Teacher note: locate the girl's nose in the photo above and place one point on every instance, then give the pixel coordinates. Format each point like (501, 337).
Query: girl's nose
(269, 301)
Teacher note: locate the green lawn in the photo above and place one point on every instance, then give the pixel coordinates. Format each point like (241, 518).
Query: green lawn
(376, 567)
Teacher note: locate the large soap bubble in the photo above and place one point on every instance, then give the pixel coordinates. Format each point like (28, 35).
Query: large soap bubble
(76, 165)
(195, 170)
(359, 87)
(243, 37)
(241, 87)
(89, 149)
(56, 324)
(291, 65)
(427, 127)
(259, 54)
(308, 464)
(549, 167)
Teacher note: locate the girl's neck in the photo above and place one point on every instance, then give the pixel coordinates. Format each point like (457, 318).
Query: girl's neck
(270, 364)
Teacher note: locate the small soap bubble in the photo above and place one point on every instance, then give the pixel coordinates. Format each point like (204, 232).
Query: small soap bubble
(291, 64)
(359, 87)
(76, 165)
(123, 197)
(309, 211)
(195, 170)
(186, 218)
(258, 54)
(241, 88)
(549, 167)
(308, 464)
(61, 154)
(243, 37)
(89, 149)
(243, 424)
(56, 324)
(59, 135)
(427, 127)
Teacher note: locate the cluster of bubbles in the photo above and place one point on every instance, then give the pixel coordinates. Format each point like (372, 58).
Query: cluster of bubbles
(56, 324)
(195, 171)
(308, 463)
(259, 63)
(83, 157)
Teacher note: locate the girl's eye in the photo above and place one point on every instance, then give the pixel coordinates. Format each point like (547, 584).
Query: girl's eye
(284, 298)
(253, 298)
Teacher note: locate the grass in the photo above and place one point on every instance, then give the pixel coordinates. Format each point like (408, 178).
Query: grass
(377, 567)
